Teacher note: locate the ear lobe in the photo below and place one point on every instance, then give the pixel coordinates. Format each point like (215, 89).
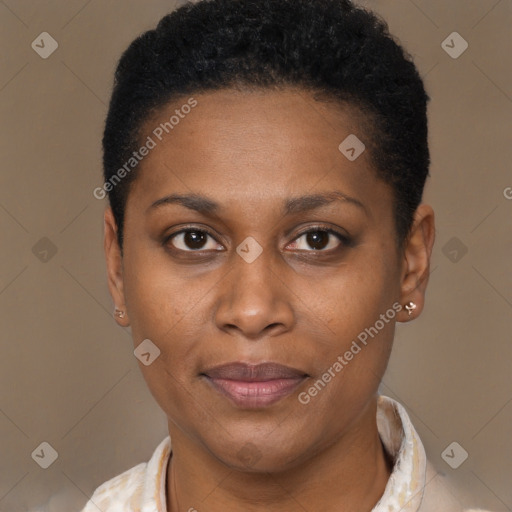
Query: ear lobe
(416, 263)
(114, 261)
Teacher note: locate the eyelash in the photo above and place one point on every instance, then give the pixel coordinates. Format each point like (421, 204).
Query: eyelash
(343, 238)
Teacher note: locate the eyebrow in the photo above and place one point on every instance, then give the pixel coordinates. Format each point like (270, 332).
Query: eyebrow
(206, 206)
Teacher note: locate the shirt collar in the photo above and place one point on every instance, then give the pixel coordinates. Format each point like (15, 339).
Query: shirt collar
(403, 492)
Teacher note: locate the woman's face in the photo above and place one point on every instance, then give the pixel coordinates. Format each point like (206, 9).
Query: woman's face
(258, 278)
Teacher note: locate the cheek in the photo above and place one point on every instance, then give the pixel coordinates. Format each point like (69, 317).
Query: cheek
(360, 319)
(167, 309)
(359, 295)
(174, 395)
(157, 296)
(353, 363)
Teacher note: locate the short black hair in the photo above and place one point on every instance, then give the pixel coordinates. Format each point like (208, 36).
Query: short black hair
(331, 47)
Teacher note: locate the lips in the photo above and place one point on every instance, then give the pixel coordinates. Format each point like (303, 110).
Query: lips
(254, 386)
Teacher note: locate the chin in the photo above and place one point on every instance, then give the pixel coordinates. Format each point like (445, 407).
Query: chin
(266, 453)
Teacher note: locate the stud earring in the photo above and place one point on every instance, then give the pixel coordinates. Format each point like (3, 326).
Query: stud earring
(119, 313)
(410, 307)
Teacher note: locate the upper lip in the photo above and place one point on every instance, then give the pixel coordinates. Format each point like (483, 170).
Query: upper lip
(253, 372)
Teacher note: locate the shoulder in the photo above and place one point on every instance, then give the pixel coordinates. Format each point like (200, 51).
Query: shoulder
(124, 490)
(439, 494)
(136, 489)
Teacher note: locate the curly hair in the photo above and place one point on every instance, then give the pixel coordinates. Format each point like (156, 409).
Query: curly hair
(341, 52)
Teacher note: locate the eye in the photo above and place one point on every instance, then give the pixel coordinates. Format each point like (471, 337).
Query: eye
(191, 240)
(320, 238)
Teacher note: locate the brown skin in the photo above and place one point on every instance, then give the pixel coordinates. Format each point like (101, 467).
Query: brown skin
(293, 305)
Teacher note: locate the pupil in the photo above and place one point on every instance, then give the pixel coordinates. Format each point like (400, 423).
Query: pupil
(194, 240)
(315, 241)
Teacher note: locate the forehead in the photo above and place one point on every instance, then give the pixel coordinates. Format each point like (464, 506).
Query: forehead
(255, 147)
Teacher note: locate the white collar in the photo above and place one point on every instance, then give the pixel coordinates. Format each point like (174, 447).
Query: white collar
(403, 492)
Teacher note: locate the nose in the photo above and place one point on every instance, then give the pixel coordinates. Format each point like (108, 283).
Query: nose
(254, 299)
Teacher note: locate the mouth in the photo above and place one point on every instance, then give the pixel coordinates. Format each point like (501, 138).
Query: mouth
(254, 386)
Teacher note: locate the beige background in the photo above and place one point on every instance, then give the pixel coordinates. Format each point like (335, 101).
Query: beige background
(68, 374)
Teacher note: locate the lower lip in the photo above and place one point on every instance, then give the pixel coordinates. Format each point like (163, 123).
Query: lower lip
(255, 394)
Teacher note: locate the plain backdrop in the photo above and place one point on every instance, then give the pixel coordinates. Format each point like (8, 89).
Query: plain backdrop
(68, 376)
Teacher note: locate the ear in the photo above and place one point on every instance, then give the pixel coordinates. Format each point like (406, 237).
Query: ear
(114, 262)
(416, 262)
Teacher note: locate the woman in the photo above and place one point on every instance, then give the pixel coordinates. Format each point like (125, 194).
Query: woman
(265, 163)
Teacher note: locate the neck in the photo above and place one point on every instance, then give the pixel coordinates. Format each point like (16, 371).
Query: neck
(350, 474)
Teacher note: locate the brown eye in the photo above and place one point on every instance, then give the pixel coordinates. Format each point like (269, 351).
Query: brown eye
(191, 240)
(319, 239)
